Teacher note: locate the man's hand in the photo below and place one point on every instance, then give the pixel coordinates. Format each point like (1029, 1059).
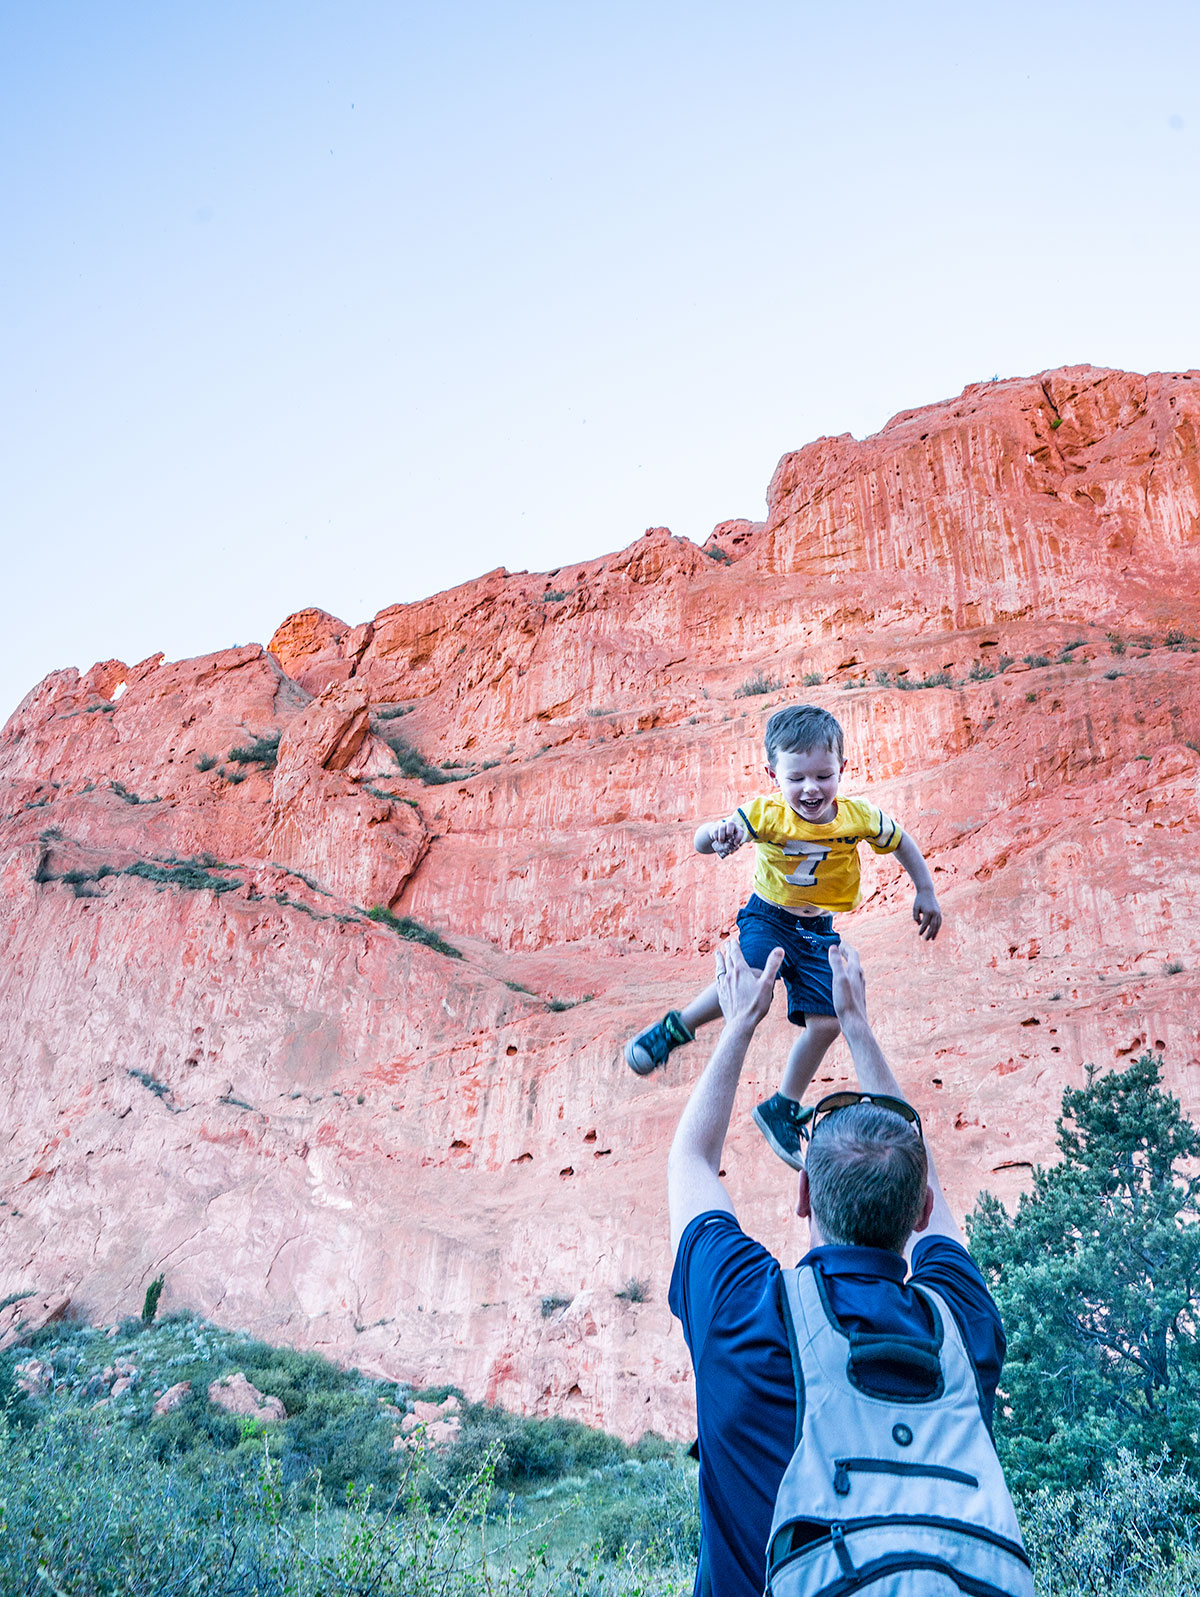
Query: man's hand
(726, 837)
(744, 994)
(849, 984)
(927, 914)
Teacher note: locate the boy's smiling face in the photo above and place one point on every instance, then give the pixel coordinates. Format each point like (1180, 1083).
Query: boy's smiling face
(808, 780)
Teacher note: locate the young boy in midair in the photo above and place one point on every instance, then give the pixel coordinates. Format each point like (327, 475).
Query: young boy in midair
(806, 850)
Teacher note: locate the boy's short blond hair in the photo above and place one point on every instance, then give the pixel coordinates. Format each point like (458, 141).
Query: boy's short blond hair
(800, 727)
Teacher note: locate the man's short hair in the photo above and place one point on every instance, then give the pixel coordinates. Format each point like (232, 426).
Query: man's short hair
(867, 1175)
(800, 727)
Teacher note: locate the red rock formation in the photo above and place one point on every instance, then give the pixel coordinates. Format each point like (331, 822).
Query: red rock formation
(218, 1068)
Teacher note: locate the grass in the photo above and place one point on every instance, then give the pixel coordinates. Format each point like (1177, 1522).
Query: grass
(206, 762)
(1036, 661)
(715, 552)
(559, 1004)
(413, 931)
(758, 683)
(634, 1291)
(812, 679)
(192, 875)
(151, 1083)
(555, 595)
(396, 798)
(114, 1499)
(1172, 967)
(391, 712)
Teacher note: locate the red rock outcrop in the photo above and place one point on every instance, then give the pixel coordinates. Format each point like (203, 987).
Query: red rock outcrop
(218, 1067)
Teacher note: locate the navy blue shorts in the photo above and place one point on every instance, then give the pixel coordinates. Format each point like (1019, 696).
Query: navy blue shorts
(805, 942)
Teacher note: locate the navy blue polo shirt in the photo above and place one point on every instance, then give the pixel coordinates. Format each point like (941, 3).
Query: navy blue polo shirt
(724, 1289)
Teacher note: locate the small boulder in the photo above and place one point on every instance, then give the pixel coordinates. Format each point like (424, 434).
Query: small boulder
(236, 1395)
(34, 1377)
(27, 1315)
(173, 1397)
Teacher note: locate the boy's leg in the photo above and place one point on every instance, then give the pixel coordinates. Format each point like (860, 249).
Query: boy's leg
(704, 1007)
(810, 1003)
(780, 1118)
(810, 1047)
(652, 1047)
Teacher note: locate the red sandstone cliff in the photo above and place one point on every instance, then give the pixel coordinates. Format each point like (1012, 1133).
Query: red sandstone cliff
(217, 1067)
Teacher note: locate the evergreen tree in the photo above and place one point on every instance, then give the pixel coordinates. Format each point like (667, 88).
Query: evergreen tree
(1097, 1276)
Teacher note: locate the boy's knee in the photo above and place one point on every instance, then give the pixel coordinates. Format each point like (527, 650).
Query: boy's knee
(825, 1028)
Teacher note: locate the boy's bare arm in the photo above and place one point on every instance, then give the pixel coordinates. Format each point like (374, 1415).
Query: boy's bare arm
(926, 911)
(721, 838)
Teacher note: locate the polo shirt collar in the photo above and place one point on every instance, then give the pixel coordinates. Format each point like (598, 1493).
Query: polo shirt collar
(839, 1259)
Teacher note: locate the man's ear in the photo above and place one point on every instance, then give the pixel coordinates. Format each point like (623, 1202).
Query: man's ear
(926, 1210)
(804, 1202)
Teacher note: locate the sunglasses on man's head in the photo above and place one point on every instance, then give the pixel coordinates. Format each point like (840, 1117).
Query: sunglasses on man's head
(832, 1102)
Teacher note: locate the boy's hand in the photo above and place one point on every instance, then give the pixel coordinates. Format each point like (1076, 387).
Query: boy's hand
(744, 994)
(927, 914)
(726, 837)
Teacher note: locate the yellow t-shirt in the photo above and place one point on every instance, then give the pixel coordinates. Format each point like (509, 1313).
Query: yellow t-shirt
(798, 863)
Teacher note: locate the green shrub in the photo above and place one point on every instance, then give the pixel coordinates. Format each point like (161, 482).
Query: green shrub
(413, 931)
(1037, 660)
(263, 751)
(414, 764)
(193, 875)
(1130, 1532)
(758, 683)
(812, 679)
(935, 679)
(391, 712)
(715, 552)
(656, 1510)
(1097, 1276)
(151, 1083)
(554, 595)
(635, 1291)
(206, 762)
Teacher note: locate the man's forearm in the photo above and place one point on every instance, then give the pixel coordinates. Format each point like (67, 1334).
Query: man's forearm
(871, 1068)
(704, 1123)
(874, 1074)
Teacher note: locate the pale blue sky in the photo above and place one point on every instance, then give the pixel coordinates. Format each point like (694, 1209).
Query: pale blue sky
(342, 304)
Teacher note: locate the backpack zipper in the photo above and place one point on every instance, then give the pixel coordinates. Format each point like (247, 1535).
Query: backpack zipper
(884, 1466)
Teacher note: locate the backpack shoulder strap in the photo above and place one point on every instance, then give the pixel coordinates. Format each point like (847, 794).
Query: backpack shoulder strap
(802, 1309)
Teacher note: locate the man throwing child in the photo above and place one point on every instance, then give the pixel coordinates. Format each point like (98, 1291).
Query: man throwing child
(929, 1341)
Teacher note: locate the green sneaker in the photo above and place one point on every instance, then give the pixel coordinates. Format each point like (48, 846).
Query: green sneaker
(650, 1048)
(781, 1121)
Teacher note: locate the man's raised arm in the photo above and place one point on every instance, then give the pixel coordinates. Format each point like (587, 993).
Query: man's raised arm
(873, 1071)
(693, 1169)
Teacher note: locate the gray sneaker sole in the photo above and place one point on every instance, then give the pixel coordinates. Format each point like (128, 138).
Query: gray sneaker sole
(794, 1160)
(638, 1068)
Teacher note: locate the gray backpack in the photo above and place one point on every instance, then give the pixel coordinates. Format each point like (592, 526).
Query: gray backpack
(888, 1496)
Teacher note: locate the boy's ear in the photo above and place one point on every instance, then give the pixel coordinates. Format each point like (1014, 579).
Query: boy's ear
(770, 773)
